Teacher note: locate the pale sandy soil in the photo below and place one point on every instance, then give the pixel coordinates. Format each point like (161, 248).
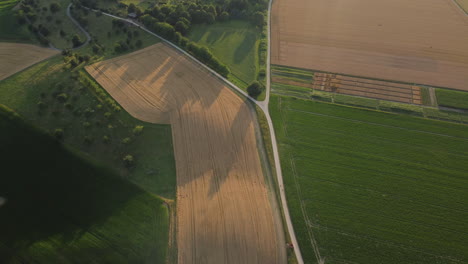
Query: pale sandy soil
(224, 214)
(15, 57)
(418, 41)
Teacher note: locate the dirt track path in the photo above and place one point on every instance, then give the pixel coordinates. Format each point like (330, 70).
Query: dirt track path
(224, 210)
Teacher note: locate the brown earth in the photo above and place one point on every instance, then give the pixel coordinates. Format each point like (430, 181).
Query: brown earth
(418, 41)
(376, 89)
(224, 213)
(15, 57)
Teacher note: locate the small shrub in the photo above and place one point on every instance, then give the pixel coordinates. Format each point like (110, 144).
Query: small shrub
(106, 139)
(68, 106)
(88, 140)
(88, 112)
(86, 124)
(107, 114)
(63, 97)
(126, 140)
(58, 133)
(41, 105)
(137, 130)
(129, 161)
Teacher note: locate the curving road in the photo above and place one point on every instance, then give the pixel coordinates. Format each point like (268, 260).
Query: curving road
(88, 37)
(263, 105)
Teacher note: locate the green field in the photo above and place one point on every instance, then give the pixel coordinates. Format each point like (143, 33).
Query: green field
(373, 187)
(10, 30)
(453, 99)
(234, 43)
(62, 208)
(83, 116)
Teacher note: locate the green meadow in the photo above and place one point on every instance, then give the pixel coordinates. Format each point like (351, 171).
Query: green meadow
(365, 186)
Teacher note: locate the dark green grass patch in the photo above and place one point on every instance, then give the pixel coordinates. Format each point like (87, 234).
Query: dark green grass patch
(62, 208)
(453, 99)
(373, 187)
(10, 30)
(234, 43)
(91, 124)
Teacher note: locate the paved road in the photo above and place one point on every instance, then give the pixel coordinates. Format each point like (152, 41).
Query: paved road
(88, 37)
(262, 104)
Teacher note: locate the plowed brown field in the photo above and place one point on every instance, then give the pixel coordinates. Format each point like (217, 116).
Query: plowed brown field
(15, 57)
(418, 41)
(224, 213)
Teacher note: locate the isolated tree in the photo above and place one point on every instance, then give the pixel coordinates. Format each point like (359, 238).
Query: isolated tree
(54, 7)
(76, 40)
(58, 133)
(131, 8)
(137, 130)
(129, 161)
(255, 89)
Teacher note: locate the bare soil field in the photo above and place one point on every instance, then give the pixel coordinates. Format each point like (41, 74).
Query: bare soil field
(419, 41)
(224, 211)
(15, 57)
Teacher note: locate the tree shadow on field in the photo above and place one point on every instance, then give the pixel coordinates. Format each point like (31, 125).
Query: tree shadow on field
(210, 124)
(53, 195)
(242, 51)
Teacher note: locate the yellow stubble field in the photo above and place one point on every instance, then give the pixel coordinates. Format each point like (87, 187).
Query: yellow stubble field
(224, 208)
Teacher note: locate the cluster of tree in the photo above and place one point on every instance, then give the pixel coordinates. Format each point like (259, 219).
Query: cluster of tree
(203, 54)
(130, 43)
(182, 15)
(255, 89)
(74, 59)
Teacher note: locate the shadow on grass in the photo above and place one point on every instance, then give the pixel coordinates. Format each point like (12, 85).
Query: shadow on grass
(244, 48)
(51, 192)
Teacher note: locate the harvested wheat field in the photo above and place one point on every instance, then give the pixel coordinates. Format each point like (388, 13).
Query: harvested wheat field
(419, 41)
(224, 211)
(15, 57)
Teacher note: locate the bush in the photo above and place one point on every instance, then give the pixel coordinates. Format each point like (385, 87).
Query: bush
(63, 97)
(76, 40)
(106, 139)
(255, 89)
(126, 140)
(41, 105)
(86, 124)
(137, 130)
(88, 140)
(58, 133)
(129, 161)
(54, 7)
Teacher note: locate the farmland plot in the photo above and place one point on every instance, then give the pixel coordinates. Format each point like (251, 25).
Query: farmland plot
(224, 212)
(420, 41)
(370, 187)
(15, 57)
